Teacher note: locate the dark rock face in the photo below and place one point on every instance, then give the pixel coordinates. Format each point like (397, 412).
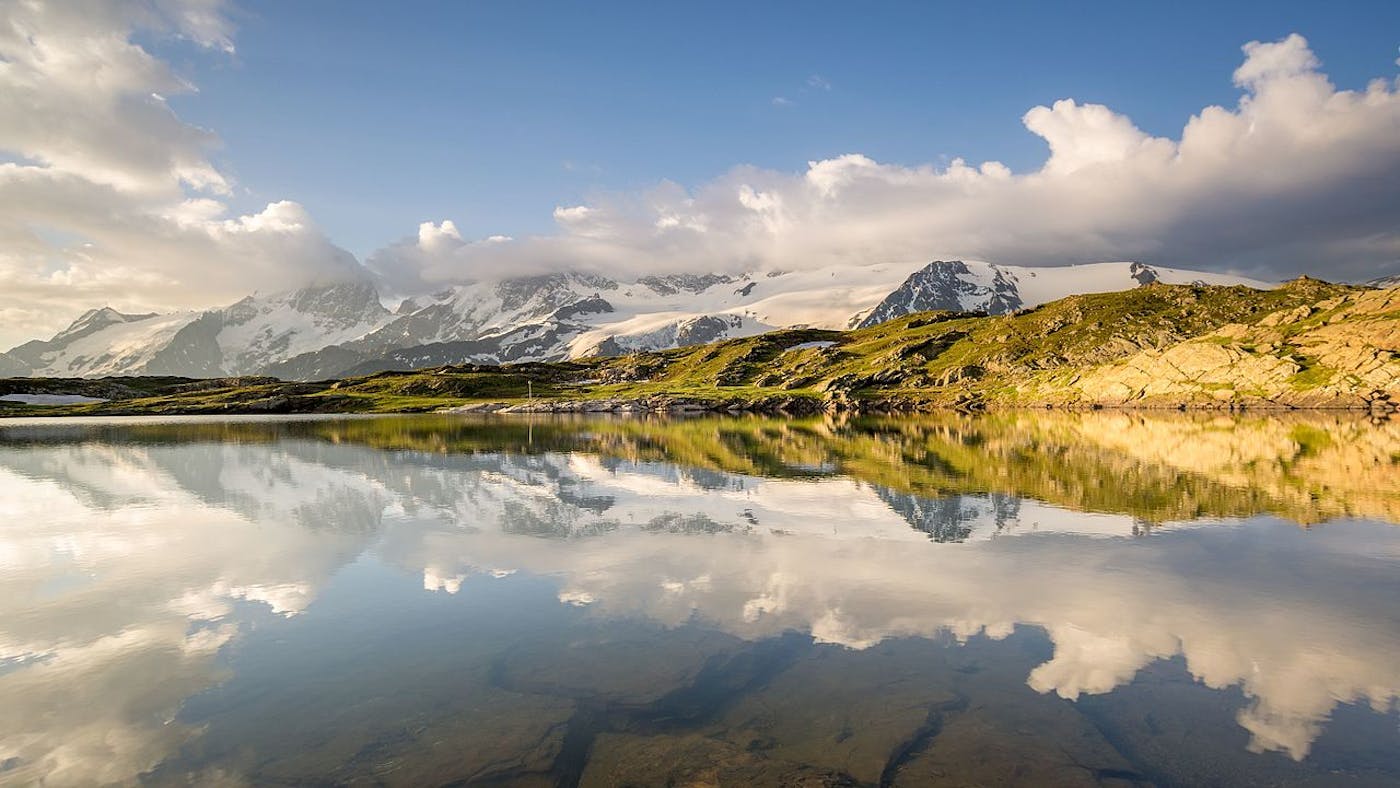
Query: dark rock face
(595, 305)
(1144, 274)
(553, 290)
(703, 330)
(527, 343)
(322, 364)
(193, 352)
(689, 283)
(947, 285)
(610, 348)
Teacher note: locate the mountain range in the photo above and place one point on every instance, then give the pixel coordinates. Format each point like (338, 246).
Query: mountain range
(1304, 344)
(343, 328)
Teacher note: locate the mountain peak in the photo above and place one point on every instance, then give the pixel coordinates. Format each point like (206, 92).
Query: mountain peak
(958, 286)
(96, 320)
(326, 328)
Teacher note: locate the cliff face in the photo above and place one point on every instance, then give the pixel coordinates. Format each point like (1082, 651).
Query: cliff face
(1339, 351)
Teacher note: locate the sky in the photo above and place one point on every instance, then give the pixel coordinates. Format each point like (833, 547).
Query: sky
(177, 154)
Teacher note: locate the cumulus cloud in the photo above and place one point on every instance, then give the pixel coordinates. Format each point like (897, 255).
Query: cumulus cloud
(151, 555)
(1298, 176)
(108, 195)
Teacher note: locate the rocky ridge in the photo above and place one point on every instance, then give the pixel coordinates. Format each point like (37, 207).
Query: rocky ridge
(1307, 344)
(342, 329)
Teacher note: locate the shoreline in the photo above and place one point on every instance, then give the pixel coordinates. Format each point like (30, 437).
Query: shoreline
(795, 406)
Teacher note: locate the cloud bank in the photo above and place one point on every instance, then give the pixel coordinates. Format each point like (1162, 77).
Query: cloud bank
(1297, 177)
(110, 197)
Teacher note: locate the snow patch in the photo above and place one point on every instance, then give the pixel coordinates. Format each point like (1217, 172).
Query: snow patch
(50, 399)
(810, 345)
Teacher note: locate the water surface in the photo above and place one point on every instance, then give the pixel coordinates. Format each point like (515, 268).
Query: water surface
(1020, 599)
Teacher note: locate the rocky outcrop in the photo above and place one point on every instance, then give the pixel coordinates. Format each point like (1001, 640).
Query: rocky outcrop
(949, 285)
(1341, 351)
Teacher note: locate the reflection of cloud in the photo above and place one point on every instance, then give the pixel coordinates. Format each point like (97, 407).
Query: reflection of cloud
(576, 598)
(1297, 620)
(121, 568)
(433, 580)
(171, 542)
(90, 713)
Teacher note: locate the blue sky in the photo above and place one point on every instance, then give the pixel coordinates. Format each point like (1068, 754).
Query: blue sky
(377, 116)
(451, 142)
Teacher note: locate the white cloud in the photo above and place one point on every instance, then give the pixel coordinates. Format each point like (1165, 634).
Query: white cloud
(1084, 135)
(1265, 61)
(108, 196)
(1298, 176)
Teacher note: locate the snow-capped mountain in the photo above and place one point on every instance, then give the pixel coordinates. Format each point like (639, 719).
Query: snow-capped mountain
(1385, 281)
(957, 286)
(558, 316)
(241, 339)
(343, 329)
(11, 367)
(104, 342)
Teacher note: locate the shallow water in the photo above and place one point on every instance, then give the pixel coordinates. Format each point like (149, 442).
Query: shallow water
(1027, 599)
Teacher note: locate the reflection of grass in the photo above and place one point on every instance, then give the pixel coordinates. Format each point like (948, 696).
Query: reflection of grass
(1312, 442)
(1086, 461)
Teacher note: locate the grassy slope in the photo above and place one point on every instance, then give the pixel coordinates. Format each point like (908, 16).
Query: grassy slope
(924, 360)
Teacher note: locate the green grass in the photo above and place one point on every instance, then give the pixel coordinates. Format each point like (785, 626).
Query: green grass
(1311, 376)
(919, 361)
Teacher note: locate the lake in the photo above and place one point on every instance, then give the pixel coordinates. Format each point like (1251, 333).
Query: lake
(1015, 598)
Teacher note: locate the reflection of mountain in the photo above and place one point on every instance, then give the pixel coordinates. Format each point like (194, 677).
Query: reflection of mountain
(1154, 467)
(949, 519)
(148, 545)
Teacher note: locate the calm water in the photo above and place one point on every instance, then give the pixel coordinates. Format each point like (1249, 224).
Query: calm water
(1028, 599)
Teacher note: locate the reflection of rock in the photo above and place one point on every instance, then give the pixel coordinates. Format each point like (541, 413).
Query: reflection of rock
(1045, 745)
(1260, 607)
(1163, 715)
(1307, 469)
(845, 711)
(174, 540)
(612, 670)
(467, 734)
(1009, 735)
(691, 761)
(916, 713)
(676, 523)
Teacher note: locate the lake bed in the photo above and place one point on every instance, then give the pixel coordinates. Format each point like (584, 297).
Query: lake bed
(1008, 598)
